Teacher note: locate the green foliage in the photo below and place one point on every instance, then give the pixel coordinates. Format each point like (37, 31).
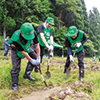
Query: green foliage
(65, 13)
(89, 48)
(85, 18)
(94, 17)
(59, 37)
(35, 25)
(9, 22)
(36, 10)
(10, 11)
(1, 43)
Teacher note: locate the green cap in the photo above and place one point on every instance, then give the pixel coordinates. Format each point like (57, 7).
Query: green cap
(72, 31)
(50, 20)
(27, 31)
(7, 37)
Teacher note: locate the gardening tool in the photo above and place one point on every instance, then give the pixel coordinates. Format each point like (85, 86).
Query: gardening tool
(69, 68)
(42, 75)
(48, 73)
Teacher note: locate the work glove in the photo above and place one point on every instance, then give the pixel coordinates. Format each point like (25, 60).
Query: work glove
(50, 48)
(38, 60)
(78, 44)
(35, 62)
(71, 58)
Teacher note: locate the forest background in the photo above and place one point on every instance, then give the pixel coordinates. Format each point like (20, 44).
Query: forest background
(13, 13)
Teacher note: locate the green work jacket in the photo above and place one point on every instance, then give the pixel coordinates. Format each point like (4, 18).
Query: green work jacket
(26, 47)
(74, 41)
(47, 33)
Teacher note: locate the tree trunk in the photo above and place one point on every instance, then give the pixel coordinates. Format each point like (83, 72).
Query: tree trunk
(4, 28)
(4, 31)
(23, 15)
(60, 16)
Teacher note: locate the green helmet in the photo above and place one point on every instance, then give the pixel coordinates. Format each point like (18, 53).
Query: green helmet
(50, 20)
(27, 31)
(72, 31)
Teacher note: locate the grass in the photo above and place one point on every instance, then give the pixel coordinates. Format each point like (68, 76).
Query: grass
(25, 87)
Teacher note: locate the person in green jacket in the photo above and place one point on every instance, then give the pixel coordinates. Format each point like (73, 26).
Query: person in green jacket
(44, 32)
(20, 44)
(93, 59)
(75, 39)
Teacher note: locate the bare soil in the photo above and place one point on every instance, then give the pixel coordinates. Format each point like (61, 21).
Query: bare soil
(62, 94)
(40, 95)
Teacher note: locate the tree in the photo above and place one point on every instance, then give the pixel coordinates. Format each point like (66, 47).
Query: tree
(86, 27)
(10, 11)
(94, 18)
(67, 11)
(36, 10)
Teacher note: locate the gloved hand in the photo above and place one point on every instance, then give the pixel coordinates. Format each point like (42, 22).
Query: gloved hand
(50, 48)
(71, 58)
(78, 44)
(38, 60)
(35, 62)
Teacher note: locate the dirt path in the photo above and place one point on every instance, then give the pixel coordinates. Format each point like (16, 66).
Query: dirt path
(40, 95)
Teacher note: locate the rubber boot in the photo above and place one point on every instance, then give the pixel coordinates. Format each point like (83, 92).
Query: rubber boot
(36, 70)
(28, 71)
(14, 83)
(64, 70)
(66, 65)
(81, 74)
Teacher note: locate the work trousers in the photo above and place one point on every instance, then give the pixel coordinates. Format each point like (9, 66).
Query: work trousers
(16, 62)
(80, 56)
(42, 52)
(6, 50)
